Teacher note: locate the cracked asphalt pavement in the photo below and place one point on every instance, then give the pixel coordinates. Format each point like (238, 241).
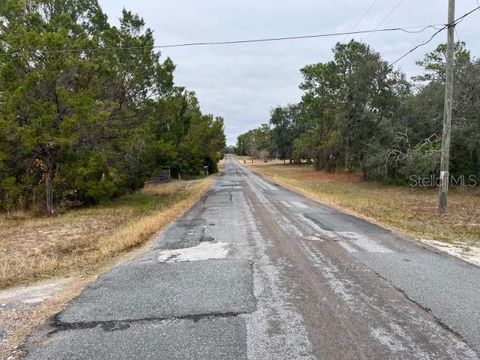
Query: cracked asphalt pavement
(277, 276)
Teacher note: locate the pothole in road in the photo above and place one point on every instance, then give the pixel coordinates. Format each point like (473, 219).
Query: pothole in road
(203, 251)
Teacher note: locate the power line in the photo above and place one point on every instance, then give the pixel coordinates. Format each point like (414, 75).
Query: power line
(405, 29)
(364, 14)
(457, 21)
(461, 18)
(421, 44)
(408, 30)
(387, 16)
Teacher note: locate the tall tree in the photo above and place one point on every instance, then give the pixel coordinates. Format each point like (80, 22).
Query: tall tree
(89, 110)
(352, 94)
(286, 127)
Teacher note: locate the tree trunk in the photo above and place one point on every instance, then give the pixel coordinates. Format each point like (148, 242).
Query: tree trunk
(363, 176)
(28, 194)
(347, 155)
(363, 169)
(49, 193)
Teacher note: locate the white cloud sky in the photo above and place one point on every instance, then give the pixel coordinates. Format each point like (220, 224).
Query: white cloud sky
(243, 82)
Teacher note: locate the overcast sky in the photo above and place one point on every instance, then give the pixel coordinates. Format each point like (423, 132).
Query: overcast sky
(243, 82)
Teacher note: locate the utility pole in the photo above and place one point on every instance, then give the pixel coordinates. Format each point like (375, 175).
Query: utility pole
(447, 112)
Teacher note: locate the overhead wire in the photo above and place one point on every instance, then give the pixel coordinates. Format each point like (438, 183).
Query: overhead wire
(409, 30)
(372, 4)
(387, 16)
(365, 14)
(455, 22)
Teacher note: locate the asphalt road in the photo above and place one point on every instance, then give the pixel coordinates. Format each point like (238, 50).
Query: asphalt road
(255, 271)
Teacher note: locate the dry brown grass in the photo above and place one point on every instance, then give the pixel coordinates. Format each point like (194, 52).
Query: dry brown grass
(258, 162)
(84, 240)
(410, 210)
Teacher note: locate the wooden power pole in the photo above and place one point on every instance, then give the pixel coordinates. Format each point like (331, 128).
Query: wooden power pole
(447, 112)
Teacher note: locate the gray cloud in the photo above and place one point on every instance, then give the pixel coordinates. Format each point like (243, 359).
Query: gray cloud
(243, 82)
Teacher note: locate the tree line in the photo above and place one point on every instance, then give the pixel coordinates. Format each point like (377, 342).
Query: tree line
(358, 113)
(88, 110)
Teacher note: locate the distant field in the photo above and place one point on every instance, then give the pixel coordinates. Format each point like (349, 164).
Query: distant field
(84, 240)
(411, 210)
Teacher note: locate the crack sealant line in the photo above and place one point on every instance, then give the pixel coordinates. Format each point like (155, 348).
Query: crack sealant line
(368, 300)
(427, 310)
(331, 272)
(359, 300)
(111, 324)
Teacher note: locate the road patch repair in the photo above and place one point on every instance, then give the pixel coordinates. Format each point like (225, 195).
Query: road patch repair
(136, 291)
(179, 300)
(150, 308)
(203, 251)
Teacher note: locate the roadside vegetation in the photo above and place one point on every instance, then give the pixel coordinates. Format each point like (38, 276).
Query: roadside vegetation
(407, 209)
(82, 241)
(358, 113)
(90, 111)
(366, 138)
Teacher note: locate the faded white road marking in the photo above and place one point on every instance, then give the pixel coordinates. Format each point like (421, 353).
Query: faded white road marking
(313, 237)
(347, 247)
(350, 241)
(364, 242)
(265, 185)
(299, 204)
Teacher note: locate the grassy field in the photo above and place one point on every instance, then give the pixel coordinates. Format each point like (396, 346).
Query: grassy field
(407, 209)
(84, 240)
